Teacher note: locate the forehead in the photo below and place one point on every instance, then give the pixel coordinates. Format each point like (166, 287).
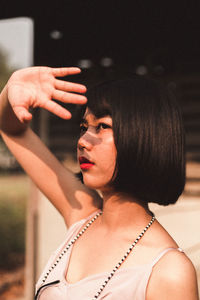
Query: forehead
(90, 117)
(88, 113)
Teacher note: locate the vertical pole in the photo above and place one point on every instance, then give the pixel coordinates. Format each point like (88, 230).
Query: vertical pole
(32, 244)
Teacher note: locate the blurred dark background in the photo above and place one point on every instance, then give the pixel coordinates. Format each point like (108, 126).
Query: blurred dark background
(111, 38)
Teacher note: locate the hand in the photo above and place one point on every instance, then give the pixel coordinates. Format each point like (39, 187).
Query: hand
(38, 86)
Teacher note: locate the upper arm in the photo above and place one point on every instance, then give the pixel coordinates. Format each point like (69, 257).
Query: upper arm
(173, 278)
(60, 185)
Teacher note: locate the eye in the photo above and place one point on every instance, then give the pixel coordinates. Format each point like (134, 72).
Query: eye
(83, 129)
(102, 126)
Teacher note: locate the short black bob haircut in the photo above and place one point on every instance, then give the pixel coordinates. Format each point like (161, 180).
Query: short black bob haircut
(148, 134)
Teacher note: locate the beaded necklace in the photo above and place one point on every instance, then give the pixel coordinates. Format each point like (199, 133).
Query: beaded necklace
(115, 268)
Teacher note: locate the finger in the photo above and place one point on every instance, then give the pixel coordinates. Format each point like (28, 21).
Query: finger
(22, 114)
(56, 109)
(70, 86)
(69, 97)
(60, 72)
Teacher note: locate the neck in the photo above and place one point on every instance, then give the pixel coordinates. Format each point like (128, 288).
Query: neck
(122, 211)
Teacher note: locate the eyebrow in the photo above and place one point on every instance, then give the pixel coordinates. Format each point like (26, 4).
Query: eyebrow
(83, 121)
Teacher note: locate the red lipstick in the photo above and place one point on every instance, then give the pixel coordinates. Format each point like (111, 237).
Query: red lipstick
(85, 164)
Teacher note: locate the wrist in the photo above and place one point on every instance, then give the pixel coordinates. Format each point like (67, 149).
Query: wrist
(9, 123)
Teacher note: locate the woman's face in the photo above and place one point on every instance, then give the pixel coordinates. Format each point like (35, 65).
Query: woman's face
(96, 151)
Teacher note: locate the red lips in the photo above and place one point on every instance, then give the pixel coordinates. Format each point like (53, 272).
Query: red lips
(85, 164)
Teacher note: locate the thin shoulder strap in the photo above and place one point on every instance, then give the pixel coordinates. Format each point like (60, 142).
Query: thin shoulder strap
(79, 223)
(161, 254)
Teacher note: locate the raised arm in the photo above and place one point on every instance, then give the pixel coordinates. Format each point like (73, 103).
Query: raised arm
(37, 87)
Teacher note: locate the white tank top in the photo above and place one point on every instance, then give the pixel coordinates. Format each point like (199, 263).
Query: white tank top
(126, 284)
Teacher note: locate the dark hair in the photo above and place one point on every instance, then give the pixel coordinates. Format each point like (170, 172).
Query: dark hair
(148, 134)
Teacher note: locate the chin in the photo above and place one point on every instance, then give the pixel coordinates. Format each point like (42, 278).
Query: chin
(101, 186)
(93, 185)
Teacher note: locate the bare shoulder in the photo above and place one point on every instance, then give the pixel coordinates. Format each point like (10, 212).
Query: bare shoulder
(174, 278)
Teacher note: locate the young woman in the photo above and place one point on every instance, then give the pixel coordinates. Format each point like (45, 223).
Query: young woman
(130, 150)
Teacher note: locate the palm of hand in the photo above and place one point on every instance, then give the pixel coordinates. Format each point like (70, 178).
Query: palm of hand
(37, 87)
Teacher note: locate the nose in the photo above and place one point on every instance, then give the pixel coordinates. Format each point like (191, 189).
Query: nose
(85, 142)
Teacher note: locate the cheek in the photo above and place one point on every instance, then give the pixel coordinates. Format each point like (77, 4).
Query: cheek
(108, 155)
